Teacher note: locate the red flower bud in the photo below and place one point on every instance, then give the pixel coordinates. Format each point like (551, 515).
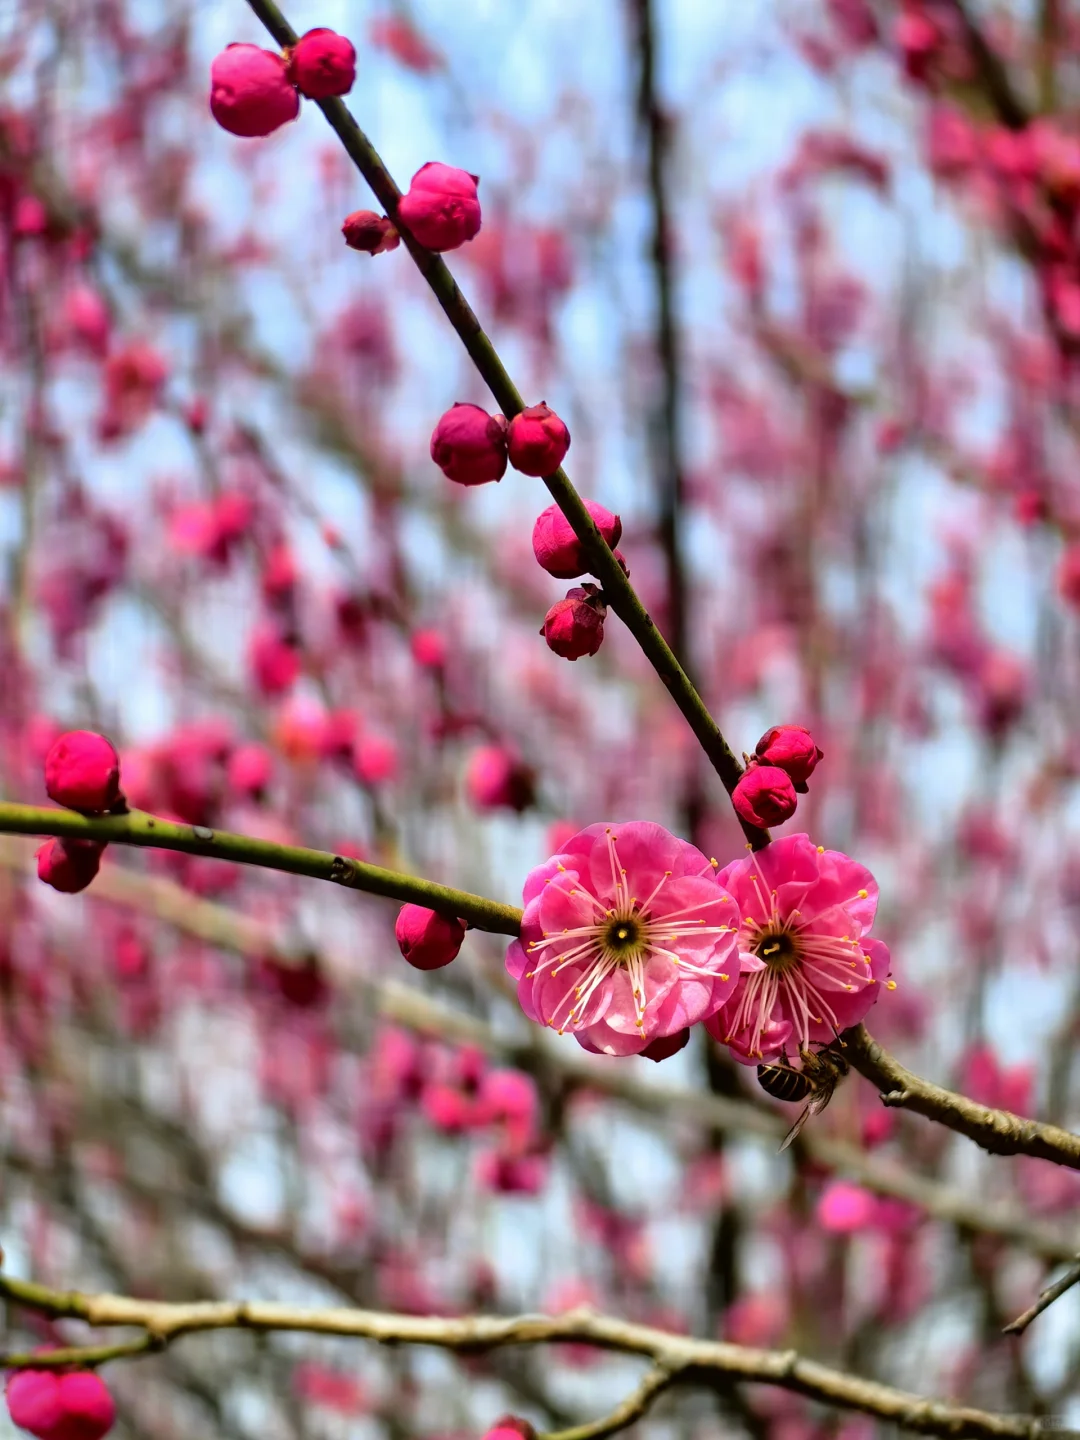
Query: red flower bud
(496, 779)
(76, 1406)
(790, 748)
(558, 549)
(575, 626)
(765, 796)
(373, 234)
(82, 771)
(428, 649)
(251, 767)
(510, 1427)
(427, 939)
(469, 445)
(375, 759)
(1068, 575)
(322, 63)
(250, 92)
(538, 441)
(666, 1046)
(69, 865)
(441, 209)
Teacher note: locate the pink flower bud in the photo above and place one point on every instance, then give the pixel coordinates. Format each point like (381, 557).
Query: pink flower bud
(765, 796)
(82, 771)
(575, 626)
(428, 649)
(250, 769)
(75, 1406)
(510, 1427)
(441, 209)
(790, 748)
(557, 548)
(375, 759)
(322, 63)
(87, 318)
(69, 865)
(538, 441)
(274, 661)
(469, 445)
(495, 779)
(844, 1209)
(371, 233)
(666, 1046)
(250, 92)
(427, 939)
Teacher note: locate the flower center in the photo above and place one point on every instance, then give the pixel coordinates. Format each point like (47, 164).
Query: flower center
(622, 936)
(778, 949)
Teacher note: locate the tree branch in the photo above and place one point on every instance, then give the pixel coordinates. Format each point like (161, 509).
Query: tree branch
(150, 832)
(622, 597)
(1045, 1300)
(998, 1131)
(687, 1360)
(219, 925)
(634, 1407)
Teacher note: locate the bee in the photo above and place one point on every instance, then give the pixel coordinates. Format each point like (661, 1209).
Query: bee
(821, 1072)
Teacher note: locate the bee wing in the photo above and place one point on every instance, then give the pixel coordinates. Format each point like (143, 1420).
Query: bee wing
(813, 1106)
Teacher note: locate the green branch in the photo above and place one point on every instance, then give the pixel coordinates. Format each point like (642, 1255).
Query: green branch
(150, 832)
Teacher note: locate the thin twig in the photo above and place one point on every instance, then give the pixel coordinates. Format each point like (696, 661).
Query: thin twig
(1045, 1300)
(634, 1407)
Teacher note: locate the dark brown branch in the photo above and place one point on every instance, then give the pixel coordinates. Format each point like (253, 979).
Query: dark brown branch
(998, 1131)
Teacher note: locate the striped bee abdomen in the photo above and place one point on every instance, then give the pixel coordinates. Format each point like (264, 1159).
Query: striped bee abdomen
(783, 1082)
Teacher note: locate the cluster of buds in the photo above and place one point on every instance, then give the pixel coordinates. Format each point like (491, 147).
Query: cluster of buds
(441, 212)
(82, 772)
(255, 91)
(574, 626)
(472, 447)
(776, 775)
(52, 1406)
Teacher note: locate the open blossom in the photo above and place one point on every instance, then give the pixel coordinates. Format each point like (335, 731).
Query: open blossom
(626, 938)
(809, 968)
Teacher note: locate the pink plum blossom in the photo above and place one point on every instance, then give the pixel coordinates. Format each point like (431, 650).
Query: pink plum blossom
(627, 938)
(809, 967)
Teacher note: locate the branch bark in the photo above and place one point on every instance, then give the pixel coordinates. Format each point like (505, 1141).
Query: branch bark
(685, 1360)
(998, 1131)
(149, 832)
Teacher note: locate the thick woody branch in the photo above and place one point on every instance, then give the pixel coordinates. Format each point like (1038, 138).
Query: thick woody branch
(998, 1131)
(622, 597)
(685, 1360)
(150, 832)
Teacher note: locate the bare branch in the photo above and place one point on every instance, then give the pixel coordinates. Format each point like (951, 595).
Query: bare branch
(659, 1378)
(688, 1361)
(998, 1131)
(1045, 1300)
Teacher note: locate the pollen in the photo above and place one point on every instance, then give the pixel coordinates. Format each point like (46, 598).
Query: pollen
(863, 894)
(890, 984)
